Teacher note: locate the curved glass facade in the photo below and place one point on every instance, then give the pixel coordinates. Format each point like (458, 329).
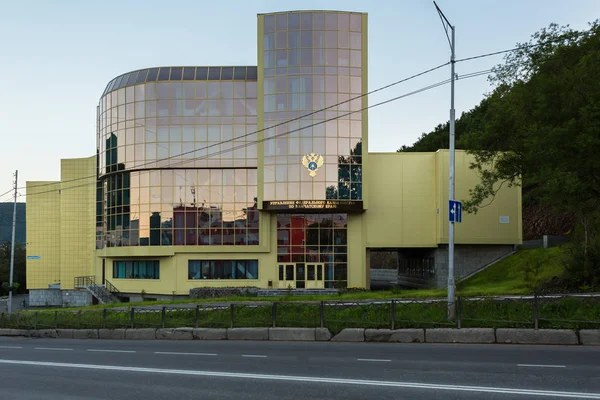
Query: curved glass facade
(177, 158)
(312, 61)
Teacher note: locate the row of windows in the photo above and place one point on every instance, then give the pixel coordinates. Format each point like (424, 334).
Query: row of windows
(313, 39)
(146, 269)
(330, 173)
(313, 84)
(223, 269)
(182, 73)
(186, 179)
(180, 108)
(178, 133)
(180, 91)
(318, 70)
(312, 101)
(309, 57)
(178, 237)
(331, 147)
(313, 191)
(313, 20)
(218, 269)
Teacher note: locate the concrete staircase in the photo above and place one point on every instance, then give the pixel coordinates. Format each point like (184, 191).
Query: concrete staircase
(105, 293)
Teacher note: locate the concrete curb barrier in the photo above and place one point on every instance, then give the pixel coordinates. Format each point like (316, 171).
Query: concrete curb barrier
(20, 332)
(465, 335)
(589, 337)
(118, 334)
(44, 333)
(540, 336)
(248, 334)
(292, 334)
(350, 335)
(85, 333)
(396, 336)
(175, 334)
(209, 334)
(322, 335)
(140, 334)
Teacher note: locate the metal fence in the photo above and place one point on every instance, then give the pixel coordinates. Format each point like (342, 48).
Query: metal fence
(551, 311)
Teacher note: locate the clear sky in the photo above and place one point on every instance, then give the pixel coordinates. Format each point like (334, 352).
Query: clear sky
(57, 57)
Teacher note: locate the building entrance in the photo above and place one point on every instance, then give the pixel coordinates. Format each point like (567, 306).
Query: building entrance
(301, 276)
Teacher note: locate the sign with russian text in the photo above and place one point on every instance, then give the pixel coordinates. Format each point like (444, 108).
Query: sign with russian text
(313, 205)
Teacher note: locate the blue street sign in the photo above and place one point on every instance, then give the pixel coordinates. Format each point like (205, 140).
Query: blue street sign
(455, 211)
(33, 257)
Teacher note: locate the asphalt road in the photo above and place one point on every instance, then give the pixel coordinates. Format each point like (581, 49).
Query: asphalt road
(51, 369)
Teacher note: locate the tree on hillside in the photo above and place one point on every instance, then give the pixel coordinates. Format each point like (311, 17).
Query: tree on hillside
(543, 126)
(19, 267)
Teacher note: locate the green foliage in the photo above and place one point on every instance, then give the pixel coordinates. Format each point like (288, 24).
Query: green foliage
(19, 267)
(538, 129)
(572, 312)
(516, 274)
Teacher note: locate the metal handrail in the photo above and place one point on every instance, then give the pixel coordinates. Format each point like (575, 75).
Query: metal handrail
(111, 288)
(83, 281)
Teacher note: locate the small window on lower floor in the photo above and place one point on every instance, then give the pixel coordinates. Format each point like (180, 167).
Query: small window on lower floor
(223, 269)
(139, 269)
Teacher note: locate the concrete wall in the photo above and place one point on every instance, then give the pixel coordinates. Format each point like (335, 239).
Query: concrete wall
(384, 274)
(59, 298)
(468, 259)
(45, 298)
(76, 298)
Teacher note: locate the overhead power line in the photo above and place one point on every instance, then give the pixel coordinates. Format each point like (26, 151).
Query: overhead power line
(423, 89)
(529, 46)
(427, 71)
(7, 192)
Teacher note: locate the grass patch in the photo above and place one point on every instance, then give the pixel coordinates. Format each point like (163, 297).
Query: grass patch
(509, 275)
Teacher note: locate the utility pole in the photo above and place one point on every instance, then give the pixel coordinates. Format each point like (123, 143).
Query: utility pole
(12, 245)
(451, 287)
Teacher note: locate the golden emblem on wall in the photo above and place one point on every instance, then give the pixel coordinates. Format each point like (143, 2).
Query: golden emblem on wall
(312, 162)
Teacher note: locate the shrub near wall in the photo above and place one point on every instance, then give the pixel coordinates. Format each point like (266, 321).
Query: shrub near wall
(207, 293)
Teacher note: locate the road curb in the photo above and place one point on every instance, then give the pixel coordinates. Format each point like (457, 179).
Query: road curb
(587, 337)
(536, 336)
(465, 335)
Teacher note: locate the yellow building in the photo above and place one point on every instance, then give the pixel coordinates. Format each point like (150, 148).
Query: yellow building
(254, 176)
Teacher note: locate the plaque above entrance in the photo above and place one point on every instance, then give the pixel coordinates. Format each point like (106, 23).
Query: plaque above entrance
(313, 206)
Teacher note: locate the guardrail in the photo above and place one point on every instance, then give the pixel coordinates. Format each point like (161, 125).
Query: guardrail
(555, 311)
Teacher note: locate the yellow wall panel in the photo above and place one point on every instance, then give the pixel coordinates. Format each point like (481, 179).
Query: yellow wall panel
(77, 211)
(43, 234)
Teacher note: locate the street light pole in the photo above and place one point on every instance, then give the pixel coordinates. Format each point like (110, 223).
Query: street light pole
(12, 245)
(451, 286)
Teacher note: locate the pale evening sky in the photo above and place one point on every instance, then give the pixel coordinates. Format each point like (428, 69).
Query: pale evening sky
(58, 56)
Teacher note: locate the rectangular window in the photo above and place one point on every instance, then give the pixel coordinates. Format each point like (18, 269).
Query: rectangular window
(223, 269)
(143, 269)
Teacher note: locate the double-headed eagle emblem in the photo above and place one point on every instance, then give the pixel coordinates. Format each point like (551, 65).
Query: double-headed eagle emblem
(312, 162)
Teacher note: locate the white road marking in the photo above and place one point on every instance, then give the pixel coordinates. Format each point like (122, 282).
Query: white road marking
(185, 354)
(52, 348)
(253, 356)
(11, 347)
(112, 351)
(312, 379)
(372, 360)
(541, 366)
